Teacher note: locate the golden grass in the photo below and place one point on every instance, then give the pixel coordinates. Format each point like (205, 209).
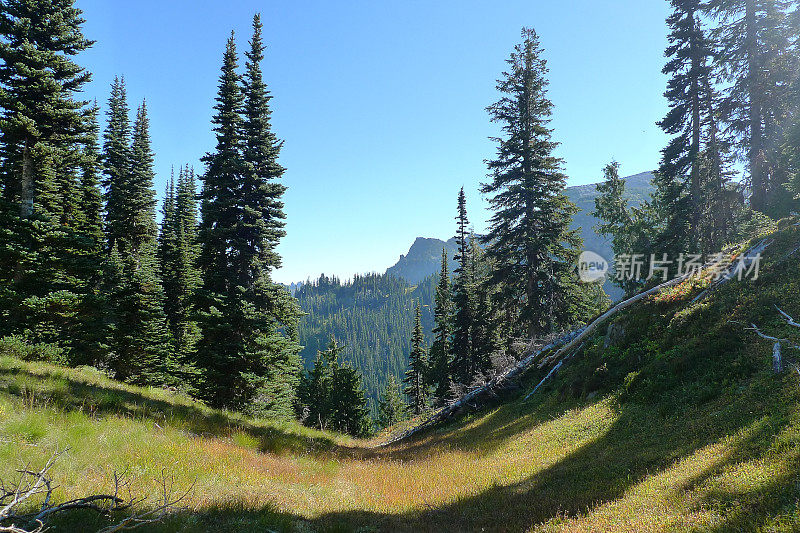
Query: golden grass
(688, 431)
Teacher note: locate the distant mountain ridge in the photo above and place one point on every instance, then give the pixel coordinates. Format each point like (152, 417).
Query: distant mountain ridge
(423, 259)
(424, 256)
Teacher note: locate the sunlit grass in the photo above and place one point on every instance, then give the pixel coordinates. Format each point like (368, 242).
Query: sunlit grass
(681, 427)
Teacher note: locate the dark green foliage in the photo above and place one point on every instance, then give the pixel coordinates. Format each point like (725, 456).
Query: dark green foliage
(392, 408)
(48, 243)
(372, 316)
(759, 67)
(439, 354)
(248, 349)
(415, 386)
(532, 249)
(330, 395)
(694, 200)
(263, 220)
(463, 364)
(177, 253)
(139, 338)
(117, 167)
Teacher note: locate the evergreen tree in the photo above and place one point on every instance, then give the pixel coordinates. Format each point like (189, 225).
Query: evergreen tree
(486, 329)
(261, 148)
(330, 395)
(463, 367)
(439, 375)
(178, 255)
(117, 165)
(370, 315)
(678, 182)
(391, 407)
(270, 311)
(618, 221)
(248, 348)
(90, 335)
(417, 368)
(139, 338)
(529, 241)
(758, 64)
(45, 277)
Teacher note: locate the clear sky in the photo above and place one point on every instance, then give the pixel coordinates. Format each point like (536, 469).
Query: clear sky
(381, 104)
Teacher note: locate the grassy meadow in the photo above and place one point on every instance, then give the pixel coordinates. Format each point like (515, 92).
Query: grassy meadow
(678, 425)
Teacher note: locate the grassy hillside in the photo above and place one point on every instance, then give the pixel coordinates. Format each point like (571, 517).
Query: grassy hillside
(678, 425)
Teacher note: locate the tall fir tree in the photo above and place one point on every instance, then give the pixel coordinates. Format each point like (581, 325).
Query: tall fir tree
(248, 348)
(462, 360)
(272, 312)
(415, 388)
(45, 278)
(529, 241)
(679, 189)
(90, 335)
(139, 338)
(117, 162)
(183, 275)
(439, 374)
(221, 348)
(758, 63)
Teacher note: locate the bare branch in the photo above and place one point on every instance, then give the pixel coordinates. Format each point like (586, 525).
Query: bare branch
(789, 319)
(33, 483)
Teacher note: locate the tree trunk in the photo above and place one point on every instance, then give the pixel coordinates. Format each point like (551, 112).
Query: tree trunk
(758, 182)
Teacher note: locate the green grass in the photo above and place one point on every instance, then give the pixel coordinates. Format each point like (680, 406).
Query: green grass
(680, 426)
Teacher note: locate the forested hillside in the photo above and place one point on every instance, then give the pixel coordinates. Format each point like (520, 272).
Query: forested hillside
(372, 316)
(424, 256)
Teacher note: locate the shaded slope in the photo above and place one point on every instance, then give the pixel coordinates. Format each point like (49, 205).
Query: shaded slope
(679, 424)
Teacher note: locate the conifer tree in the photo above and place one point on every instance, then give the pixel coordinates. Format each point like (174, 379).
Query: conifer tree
(330, 395)
(391, 407)
(417, 368)
(678, 181)
(439, 375)
(248, 348)
(139, 338)
(177, 258)
(463, 358)
(261, 149)
(530, 244)
(117, 168)
(91, 198)
(90, 335)
(758, 64)
(486, 329)
(44, 130)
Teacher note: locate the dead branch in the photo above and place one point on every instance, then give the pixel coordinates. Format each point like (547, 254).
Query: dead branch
(563, 347)
(789, 319)
(39, 484)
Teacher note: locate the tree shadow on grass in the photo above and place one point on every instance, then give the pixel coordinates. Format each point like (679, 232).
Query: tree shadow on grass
(52, 389)
(638, 444)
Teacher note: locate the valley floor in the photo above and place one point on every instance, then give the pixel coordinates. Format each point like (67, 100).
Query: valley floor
(594, 466)
(681, 426)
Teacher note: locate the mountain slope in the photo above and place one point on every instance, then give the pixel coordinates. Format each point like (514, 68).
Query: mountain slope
(424, 257)
(678, 424)
(372, 317)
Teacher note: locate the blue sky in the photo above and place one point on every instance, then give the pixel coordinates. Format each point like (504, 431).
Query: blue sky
(381, 104)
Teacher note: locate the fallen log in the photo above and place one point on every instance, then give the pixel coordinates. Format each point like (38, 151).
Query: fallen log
(565, 344)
